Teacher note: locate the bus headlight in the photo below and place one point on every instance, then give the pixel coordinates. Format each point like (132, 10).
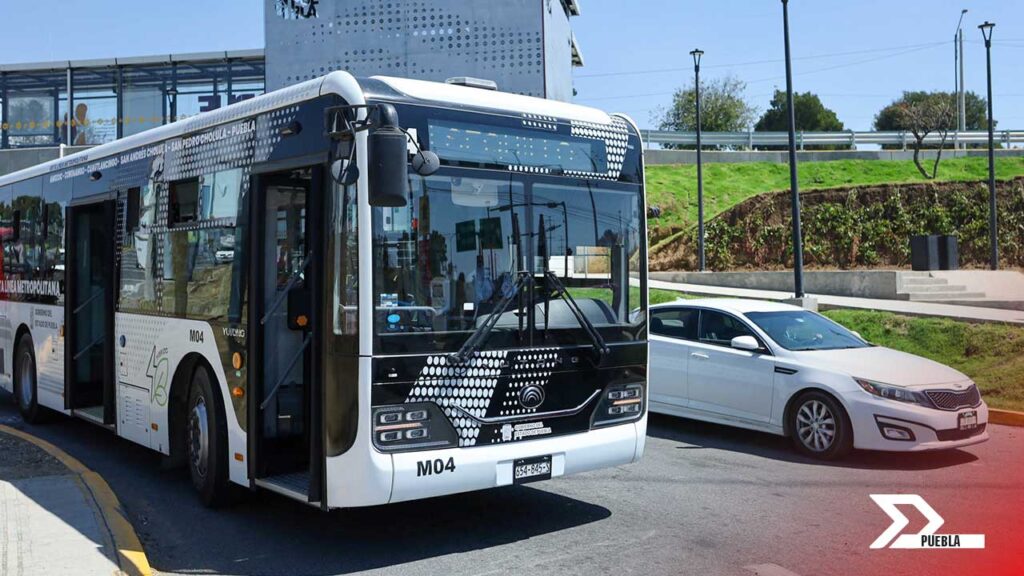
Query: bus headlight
(620, 404)
(411, 427)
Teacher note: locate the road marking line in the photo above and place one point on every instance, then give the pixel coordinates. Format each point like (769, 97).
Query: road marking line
(131, 556)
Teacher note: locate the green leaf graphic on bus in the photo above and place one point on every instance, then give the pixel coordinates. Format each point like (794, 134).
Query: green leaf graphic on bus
(157, 373)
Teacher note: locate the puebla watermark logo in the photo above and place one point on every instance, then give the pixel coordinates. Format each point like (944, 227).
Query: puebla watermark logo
(297, 9)
(927, 537)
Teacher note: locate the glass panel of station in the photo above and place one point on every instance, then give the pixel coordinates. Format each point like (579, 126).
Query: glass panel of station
(32, 105)
(115, 101)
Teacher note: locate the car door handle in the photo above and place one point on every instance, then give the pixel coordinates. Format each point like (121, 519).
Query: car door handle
(700, 355)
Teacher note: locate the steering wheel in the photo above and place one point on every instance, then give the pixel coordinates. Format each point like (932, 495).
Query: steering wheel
(803, 340)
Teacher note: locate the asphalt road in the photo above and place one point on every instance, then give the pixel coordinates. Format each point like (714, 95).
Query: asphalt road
(705, 500)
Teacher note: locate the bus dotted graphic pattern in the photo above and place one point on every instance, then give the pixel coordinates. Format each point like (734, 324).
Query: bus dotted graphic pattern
(615, 136)
(470, 387)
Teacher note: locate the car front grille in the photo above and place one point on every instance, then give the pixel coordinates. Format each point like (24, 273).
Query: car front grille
(955, 399)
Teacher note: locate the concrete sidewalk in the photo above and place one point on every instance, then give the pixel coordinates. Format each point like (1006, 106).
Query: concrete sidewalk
(956, 312)
(52, 521)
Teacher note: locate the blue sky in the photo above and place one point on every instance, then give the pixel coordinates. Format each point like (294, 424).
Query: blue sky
(858, 55)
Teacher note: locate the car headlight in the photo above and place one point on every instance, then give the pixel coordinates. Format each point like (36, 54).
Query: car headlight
(893, 392)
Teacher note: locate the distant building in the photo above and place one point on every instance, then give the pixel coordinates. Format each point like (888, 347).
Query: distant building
(526, 46)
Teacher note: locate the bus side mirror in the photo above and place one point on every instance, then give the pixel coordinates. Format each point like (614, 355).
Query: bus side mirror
(344, 171)
(387, 157)
(425, 162)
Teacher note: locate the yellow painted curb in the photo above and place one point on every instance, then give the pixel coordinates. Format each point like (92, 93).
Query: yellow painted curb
(131, 556)
(1005, 417)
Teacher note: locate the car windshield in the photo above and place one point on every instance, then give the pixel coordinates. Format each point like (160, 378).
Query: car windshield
(802, 330)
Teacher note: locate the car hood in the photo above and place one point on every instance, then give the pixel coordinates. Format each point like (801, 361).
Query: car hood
(883, 365)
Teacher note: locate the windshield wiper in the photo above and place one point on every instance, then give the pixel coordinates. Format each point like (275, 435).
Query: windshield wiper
(552, 280)
(479, 336)
(599, 344)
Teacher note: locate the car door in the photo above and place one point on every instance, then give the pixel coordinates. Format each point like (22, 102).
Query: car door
(726, 381)
(671, 332)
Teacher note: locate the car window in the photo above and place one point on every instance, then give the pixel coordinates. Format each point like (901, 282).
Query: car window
(675, 323)
(719, 329)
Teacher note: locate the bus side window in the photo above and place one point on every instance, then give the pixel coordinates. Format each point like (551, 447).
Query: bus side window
(346, 262)
(200, 245)
(184, 202)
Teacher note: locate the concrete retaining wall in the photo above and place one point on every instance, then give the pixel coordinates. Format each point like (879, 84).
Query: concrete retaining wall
(709, 156)
(881, 284)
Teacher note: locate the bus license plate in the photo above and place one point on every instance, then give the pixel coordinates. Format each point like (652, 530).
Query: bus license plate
(968, 420)
(531, 469)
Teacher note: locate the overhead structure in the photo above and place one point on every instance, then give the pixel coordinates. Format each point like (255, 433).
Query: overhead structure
(525, 46)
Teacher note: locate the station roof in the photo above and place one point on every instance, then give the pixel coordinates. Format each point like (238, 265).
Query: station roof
(254, 54)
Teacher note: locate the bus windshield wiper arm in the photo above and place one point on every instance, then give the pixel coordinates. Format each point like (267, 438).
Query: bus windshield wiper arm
(599, 344)
(479, 336)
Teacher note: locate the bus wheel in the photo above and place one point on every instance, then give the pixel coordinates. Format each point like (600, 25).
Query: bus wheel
(25, 389)
(206, 441)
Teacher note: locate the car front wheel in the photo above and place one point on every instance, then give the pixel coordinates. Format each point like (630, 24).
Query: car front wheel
(820, 426)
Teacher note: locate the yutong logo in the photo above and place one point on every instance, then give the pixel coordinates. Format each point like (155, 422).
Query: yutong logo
(531, 397)
(926, 538)
(297, 9)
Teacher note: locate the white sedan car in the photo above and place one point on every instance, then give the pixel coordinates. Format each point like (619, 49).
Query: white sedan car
(781, 369)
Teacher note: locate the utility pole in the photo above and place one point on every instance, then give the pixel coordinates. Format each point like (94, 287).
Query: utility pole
(697, 53)
(961, 101)
(798, 251)
(993, 219)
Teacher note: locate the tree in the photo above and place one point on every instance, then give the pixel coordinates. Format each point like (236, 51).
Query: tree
(921, 113)
(722, 108)
(975, 111)
(811, 115)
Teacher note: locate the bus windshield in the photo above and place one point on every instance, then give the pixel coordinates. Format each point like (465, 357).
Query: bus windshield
(443, 262)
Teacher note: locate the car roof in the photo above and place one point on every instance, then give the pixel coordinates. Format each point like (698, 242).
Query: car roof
(734, 305)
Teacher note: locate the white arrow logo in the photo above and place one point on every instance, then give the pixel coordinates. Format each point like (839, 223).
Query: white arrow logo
(927, 537)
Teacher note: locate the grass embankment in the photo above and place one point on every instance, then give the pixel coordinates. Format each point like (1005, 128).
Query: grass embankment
(654, 295)
(674, 187)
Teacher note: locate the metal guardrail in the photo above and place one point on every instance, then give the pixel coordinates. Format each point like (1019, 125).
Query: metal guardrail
(751, 139)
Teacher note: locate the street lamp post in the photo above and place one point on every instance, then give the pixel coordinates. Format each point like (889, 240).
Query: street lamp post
(993, 221)
(798, 251)
(697, 53)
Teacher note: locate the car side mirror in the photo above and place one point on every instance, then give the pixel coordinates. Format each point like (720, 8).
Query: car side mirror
(748, 343)
(857, 334)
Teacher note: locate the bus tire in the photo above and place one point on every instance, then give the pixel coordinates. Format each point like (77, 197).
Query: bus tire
(26, 391)
(206, 440)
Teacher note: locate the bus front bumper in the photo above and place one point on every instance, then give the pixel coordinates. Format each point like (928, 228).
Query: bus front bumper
(438, 472)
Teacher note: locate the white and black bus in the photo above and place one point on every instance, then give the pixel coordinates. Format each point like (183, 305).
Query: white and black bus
(350, 292)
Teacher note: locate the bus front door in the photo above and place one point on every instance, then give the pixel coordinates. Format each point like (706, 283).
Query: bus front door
(89, 312)
(285, 446)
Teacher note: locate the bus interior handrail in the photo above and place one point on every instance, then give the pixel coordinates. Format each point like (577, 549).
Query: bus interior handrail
(96, 294)
(287, 288)
(287, 371)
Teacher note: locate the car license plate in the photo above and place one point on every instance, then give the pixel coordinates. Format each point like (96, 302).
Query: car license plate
(531, 469)
(968, 420)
